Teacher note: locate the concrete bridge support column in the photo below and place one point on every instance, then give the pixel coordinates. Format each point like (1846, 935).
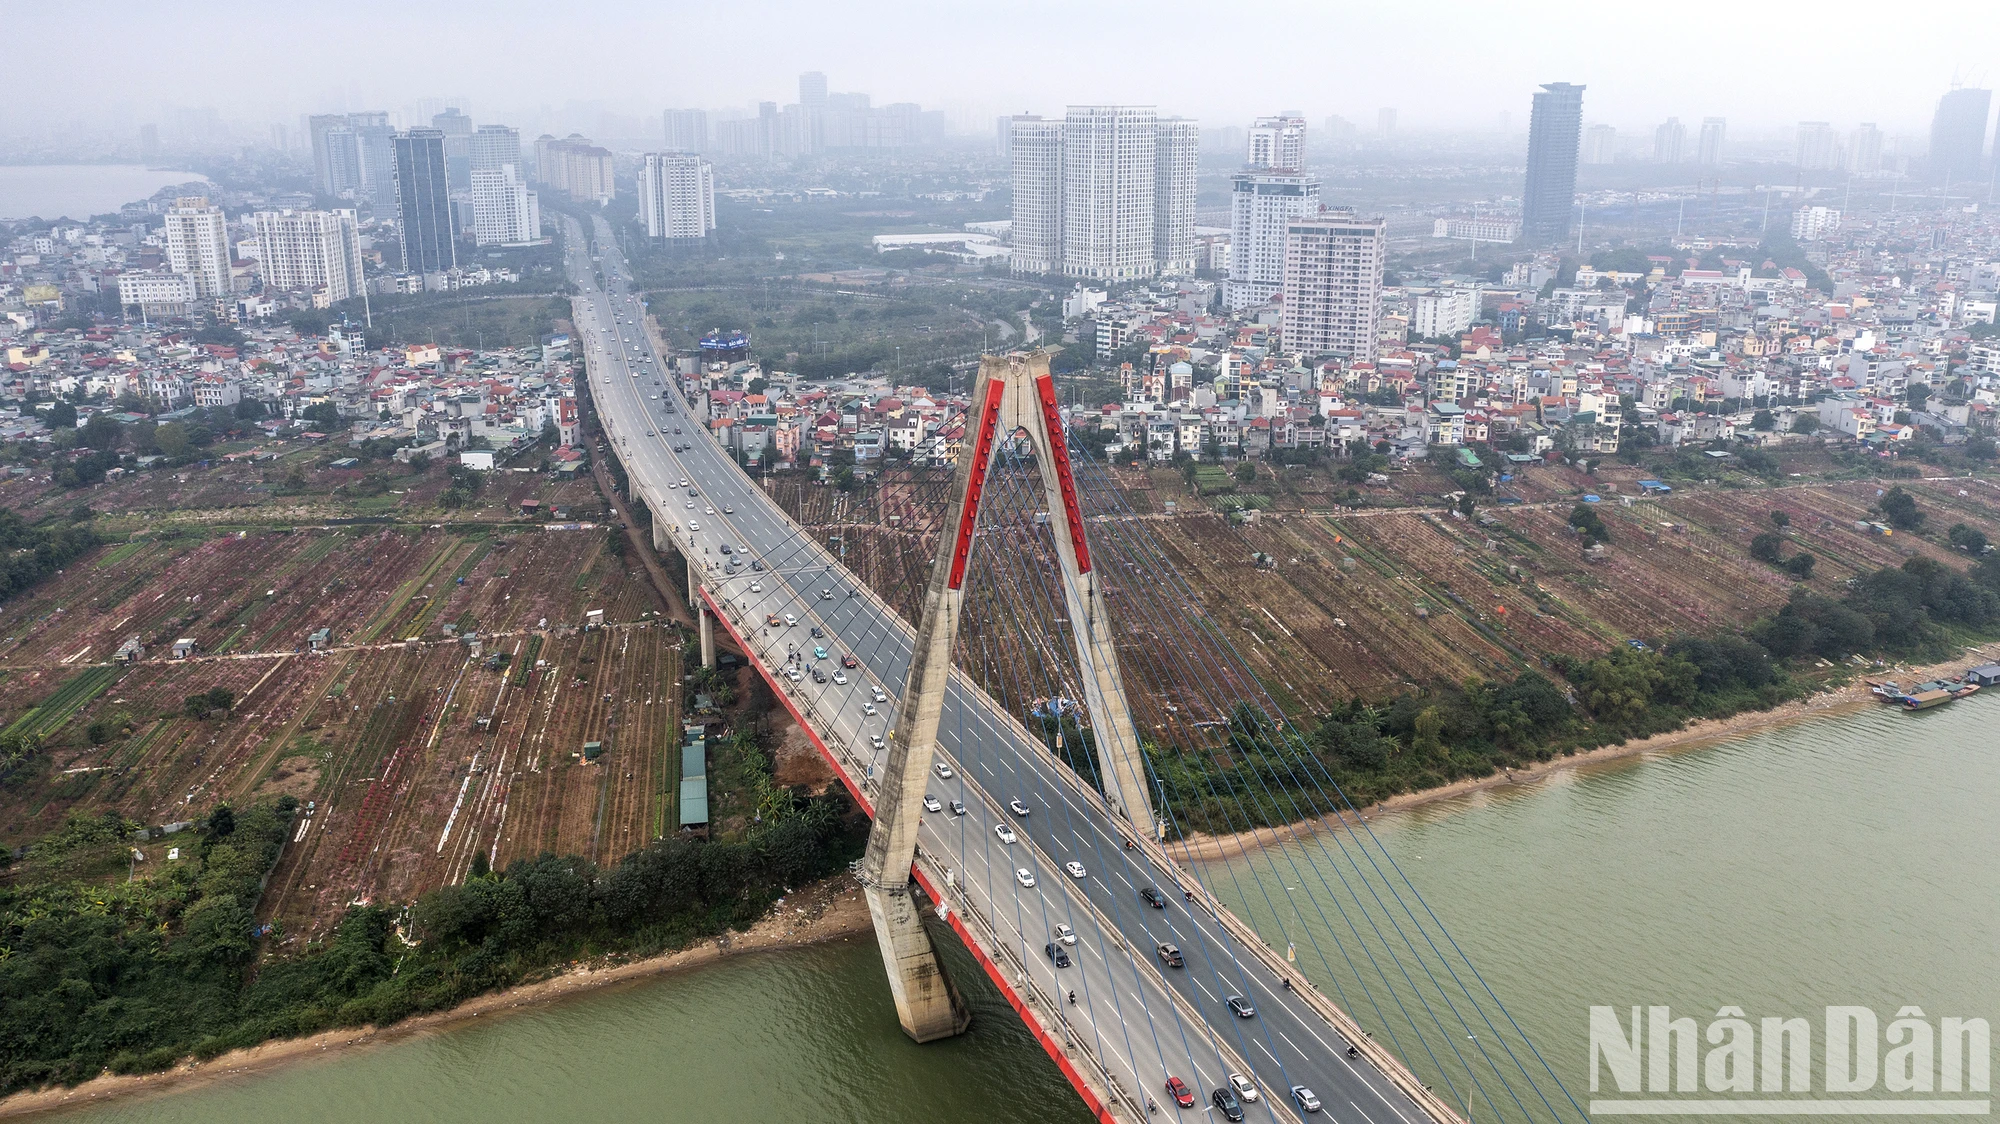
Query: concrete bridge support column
(927, 1004)
(707, 633)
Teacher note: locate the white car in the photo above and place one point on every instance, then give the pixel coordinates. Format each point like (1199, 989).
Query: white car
(943, 771)
(877, 692)
(1074, 868)
(1065, 934)
(790, 620)
(840, 677)
(708, 511)
(869, 709)
(684, 484)
(690, 505)
(1005, 833)
(693, 526)
(1024, 876)
(1246, 1090)
(875, 740)
(792, 673)
(931, 803)
(672, 484)
(1018, 808)
(756, 587)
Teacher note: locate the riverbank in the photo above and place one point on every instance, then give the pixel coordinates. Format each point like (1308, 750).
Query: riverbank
(1695, 735)
(829, 910)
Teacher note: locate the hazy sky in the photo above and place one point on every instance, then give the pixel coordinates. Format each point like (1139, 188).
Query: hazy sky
(1445, 62)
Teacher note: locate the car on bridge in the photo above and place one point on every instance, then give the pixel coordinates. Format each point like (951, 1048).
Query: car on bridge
(1005, 833)
(1152, 897)
(1178, 1090)
(1226, 1102)
(1065, 934)
(877, 693)
(943, 771)
(1057, 955)
(1241, 1007)
(1245, 1088)
(773, 621)
(1170, 956)
(1305, 1099)
(1025, 877)
(958, 807)
(847, 660)
(790, 620)
(819, 653)
(1018, 808)
(1075, 869)
(930, 802)
(869, 709)
(756, 587)
(840, 677)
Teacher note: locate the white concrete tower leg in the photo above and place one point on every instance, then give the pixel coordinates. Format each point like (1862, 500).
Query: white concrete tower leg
(1032, 404)
(927, 1004)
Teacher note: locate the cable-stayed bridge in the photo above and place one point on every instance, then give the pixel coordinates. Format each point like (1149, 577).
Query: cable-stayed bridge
(1016, 799)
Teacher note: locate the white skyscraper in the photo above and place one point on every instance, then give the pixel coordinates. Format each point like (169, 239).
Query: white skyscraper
(494, 147)
(1333, 284)
(1107, 204)
(1864, 150)
(504, 210)
(1106, 194)
(197, 244)
(1713, 132)
(1175, 157)
(1035, 147)
(304, 250)
(677, 195)
(1600, 144)
(1261, 204)
(1818, 151)
(1278, 142)
(1670, 142)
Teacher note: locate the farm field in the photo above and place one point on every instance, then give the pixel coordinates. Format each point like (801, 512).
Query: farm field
(1368, 603)
(445, 717)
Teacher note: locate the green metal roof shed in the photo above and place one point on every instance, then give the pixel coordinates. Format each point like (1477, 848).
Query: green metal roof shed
(694, 784)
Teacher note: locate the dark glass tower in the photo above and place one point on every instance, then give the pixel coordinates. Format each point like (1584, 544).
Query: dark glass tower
(423, 195)
(1554, 133)
(1958, 133)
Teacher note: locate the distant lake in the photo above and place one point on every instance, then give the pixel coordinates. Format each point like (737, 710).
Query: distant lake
(79, 191)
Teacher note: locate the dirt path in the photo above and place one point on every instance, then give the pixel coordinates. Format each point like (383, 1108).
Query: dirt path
(824, 911)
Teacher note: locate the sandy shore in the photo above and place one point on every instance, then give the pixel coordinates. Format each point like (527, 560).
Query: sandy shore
(1695, 735)
(820, 912)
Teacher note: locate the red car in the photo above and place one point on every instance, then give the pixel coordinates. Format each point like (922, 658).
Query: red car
(1178, 1090)
(847, 660)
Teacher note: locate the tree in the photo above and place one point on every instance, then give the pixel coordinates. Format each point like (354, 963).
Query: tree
(1968, 539)
(1916, 394)
(62, 415)
(1805, 424)
(1780, 519)
(102, 432)
(1466, 505)
(1900, 509)
(323, 416)
(172, 439)
(1763, 421)
(221, 698)
(1768, 548)
(1800, 565)
(1588, 524)
(221, 822)
(1246, 473)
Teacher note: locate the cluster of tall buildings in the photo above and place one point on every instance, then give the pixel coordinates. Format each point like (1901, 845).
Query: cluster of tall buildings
(575, 166)
(1106, 193)
(821, 120)
(440, 183)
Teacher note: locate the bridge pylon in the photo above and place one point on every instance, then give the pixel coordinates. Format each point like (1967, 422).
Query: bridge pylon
(1013, 395)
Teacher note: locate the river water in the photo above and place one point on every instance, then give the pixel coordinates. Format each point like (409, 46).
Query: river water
(79, 191)
(1845, 861)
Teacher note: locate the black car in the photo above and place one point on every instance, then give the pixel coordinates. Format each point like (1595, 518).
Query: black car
(1057, 953)
(1152, 897)
(1225, 1100)
(1241, 1007)
(818, 633)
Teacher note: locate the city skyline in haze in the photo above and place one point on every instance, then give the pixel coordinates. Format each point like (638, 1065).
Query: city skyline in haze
(1461, 68)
